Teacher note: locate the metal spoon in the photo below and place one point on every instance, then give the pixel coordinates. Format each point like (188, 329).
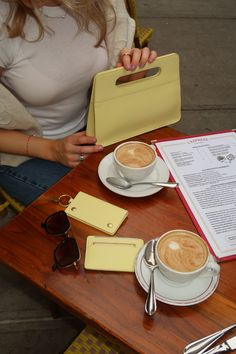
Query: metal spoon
(149, 257)
(125, 184)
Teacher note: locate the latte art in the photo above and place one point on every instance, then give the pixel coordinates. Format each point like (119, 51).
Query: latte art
(182, 252)
(135, 155)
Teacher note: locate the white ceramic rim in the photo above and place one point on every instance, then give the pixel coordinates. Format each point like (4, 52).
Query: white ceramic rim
(196, 271)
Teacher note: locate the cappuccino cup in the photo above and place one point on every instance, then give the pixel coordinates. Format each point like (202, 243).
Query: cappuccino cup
(183, 255)
(134, 160)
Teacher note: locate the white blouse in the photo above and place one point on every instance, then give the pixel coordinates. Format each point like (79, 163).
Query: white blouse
(52, 76)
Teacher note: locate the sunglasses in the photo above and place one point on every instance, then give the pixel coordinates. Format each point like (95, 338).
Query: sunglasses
(67, 253)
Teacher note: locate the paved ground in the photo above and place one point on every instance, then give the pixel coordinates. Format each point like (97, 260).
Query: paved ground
(203, 33)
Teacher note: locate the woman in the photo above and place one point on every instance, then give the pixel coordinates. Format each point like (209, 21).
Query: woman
(49, 53)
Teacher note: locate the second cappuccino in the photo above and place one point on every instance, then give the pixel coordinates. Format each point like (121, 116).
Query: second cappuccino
(183, 255)
(182, 251)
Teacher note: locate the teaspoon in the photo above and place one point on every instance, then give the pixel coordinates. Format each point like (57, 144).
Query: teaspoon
(125, 184)
(149, 257)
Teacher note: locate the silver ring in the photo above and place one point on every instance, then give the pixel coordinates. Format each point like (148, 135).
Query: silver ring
(126, 53)
(81, 157)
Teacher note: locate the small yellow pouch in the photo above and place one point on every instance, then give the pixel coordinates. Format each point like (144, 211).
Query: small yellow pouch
(111, 253)
(97, 213)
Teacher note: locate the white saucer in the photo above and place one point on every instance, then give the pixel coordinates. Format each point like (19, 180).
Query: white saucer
(169, 292)
(106, 169)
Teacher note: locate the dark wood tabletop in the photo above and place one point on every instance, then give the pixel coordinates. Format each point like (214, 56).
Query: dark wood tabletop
(113, 302)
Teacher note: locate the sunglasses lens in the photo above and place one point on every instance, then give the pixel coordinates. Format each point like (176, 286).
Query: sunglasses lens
(57, 224)
(67, 252)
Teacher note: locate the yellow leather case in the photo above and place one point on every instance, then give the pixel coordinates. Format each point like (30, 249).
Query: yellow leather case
(97, 213)
(111, 253)
(119, 112)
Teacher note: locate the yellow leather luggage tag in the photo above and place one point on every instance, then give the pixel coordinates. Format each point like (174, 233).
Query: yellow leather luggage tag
(97, 213)
(111, 253)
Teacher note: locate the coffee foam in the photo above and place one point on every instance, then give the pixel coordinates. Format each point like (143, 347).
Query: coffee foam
(182, 252)
(135, 155)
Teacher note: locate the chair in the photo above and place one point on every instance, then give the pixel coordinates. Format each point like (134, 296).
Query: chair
(90, 341)
(8, 201)
(3, 204)
(142, 34)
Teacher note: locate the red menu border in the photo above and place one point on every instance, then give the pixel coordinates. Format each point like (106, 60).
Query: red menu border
(180, 194)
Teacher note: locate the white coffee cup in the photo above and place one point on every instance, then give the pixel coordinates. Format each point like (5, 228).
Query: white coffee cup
(183, 255)
(134, 160)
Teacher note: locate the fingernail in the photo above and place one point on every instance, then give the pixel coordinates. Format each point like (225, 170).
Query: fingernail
(100, 148)
(133, 67)
(141, 66)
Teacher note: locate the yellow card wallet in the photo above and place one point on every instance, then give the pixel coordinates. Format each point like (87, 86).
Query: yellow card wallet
(97, 213)
(112, 253)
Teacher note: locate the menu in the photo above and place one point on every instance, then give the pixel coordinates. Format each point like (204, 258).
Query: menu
(205, 167)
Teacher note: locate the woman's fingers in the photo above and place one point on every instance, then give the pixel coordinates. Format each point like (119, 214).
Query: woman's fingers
(81, 138)
(145, 56)
(73, 149)
(135, 57)
(125, 59)
(81, 143)
(152, 56)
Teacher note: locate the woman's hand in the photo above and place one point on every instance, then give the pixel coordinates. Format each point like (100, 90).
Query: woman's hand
(135, 57)
(74, 148)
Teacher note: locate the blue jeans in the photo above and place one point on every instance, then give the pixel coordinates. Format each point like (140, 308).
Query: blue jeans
(29, 180)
